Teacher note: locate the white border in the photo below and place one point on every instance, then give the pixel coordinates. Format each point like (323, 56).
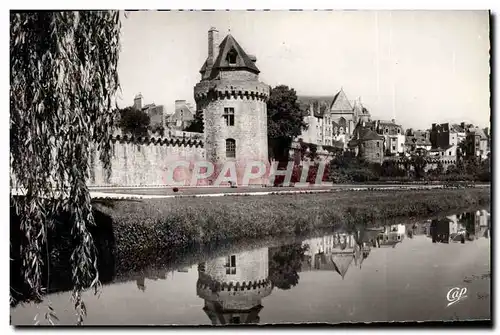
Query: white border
(220, 4)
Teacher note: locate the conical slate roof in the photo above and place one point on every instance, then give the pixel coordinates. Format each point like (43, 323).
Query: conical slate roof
(243, 60)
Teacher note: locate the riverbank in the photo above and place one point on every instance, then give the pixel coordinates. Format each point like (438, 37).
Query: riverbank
(132, 235)
(142, 225)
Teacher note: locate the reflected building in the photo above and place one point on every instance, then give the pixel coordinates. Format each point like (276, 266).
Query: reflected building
(476, 224)
(233, 287)
(440, 230)
(392, 235)
(336, 253)
(153, 274)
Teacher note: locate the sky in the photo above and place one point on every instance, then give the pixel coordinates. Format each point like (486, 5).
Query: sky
(418, 67)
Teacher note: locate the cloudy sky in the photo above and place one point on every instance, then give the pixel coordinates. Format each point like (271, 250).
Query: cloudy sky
(418, 67)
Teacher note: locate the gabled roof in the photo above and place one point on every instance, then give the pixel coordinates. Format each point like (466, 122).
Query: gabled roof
(342, 261)
(340, 103)
(243, 61)
(457, 128)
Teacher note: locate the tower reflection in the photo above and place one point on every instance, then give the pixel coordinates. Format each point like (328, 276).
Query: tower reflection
(233, 287)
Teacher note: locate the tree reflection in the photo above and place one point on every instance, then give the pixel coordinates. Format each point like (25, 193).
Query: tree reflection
(284, 264)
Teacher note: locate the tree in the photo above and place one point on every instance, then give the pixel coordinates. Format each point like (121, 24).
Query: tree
(285, 121)
(63, 79)
(197, 125)
(284, 264)
(439, 168)
(134, 122)
(419, 163)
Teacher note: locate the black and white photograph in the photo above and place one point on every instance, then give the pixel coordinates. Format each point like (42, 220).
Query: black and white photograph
(250, 167)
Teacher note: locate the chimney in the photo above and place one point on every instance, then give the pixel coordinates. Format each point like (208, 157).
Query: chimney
(138, 102)
(213, 45)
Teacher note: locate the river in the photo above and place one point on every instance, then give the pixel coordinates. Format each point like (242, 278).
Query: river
(431, 270)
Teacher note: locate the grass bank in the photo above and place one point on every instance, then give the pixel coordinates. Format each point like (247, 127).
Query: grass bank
(143, 225)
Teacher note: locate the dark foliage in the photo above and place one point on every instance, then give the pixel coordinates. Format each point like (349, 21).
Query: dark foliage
(284, 264)
(285, 121)
(134, 122)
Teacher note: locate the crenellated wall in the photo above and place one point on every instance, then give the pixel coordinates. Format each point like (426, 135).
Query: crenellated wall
(145, 161)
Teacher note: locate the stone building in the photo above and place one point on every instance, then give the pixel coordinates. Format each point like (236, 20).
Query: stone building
(447, 135)
(155, 113)
(233, 104)
(233, 287)
(417, 141)
(331, 120)
(393, 133)
(476, 143)
(367, 144)
(182, 117)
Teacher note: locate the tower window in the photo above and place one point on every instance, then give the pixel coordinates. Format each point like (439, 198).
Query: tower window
(229, 116)
(230, 148)
(231, 265)
(231, 57)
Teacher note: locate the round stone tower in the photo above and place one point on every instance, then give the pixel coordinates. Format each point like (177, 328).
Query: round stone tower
(233, 286)
(233, 103)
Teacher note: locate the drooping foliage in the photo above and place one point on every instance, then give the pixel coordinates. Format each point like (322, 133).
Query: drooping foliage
(63, 83)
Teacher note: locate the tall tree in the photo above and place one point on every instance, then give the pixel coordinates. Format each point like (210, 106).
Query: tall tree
(134, 122)
(285, 121)
(63, 81)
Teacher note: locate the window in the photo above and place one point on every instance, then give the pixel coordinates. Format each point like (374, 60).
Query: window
(231, 57)
(399, 131)
(378, 155)
(386, 130)
(378, 144)
(235, 320)
(230, 148)
(229, 116)
(393, 147)
(231, 265)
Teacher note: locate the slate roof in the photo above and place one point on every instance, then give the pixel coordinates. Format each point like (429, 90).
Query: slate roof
(340, 103)
(342, 261)
(243, 60)
(457, 128)
(419, 140)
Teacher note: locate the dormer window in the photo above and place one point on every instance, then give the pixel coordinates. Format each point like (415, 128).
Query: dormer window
(231, 57)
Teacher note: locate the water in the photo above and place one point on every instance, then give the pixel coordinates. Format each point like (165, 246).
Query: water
(402, 276)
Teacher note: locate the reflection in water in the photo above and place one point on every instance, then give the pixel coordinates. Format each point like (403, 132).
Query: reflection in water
(467, 226)
(285, 263)
(233, 286)
(338, 252)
